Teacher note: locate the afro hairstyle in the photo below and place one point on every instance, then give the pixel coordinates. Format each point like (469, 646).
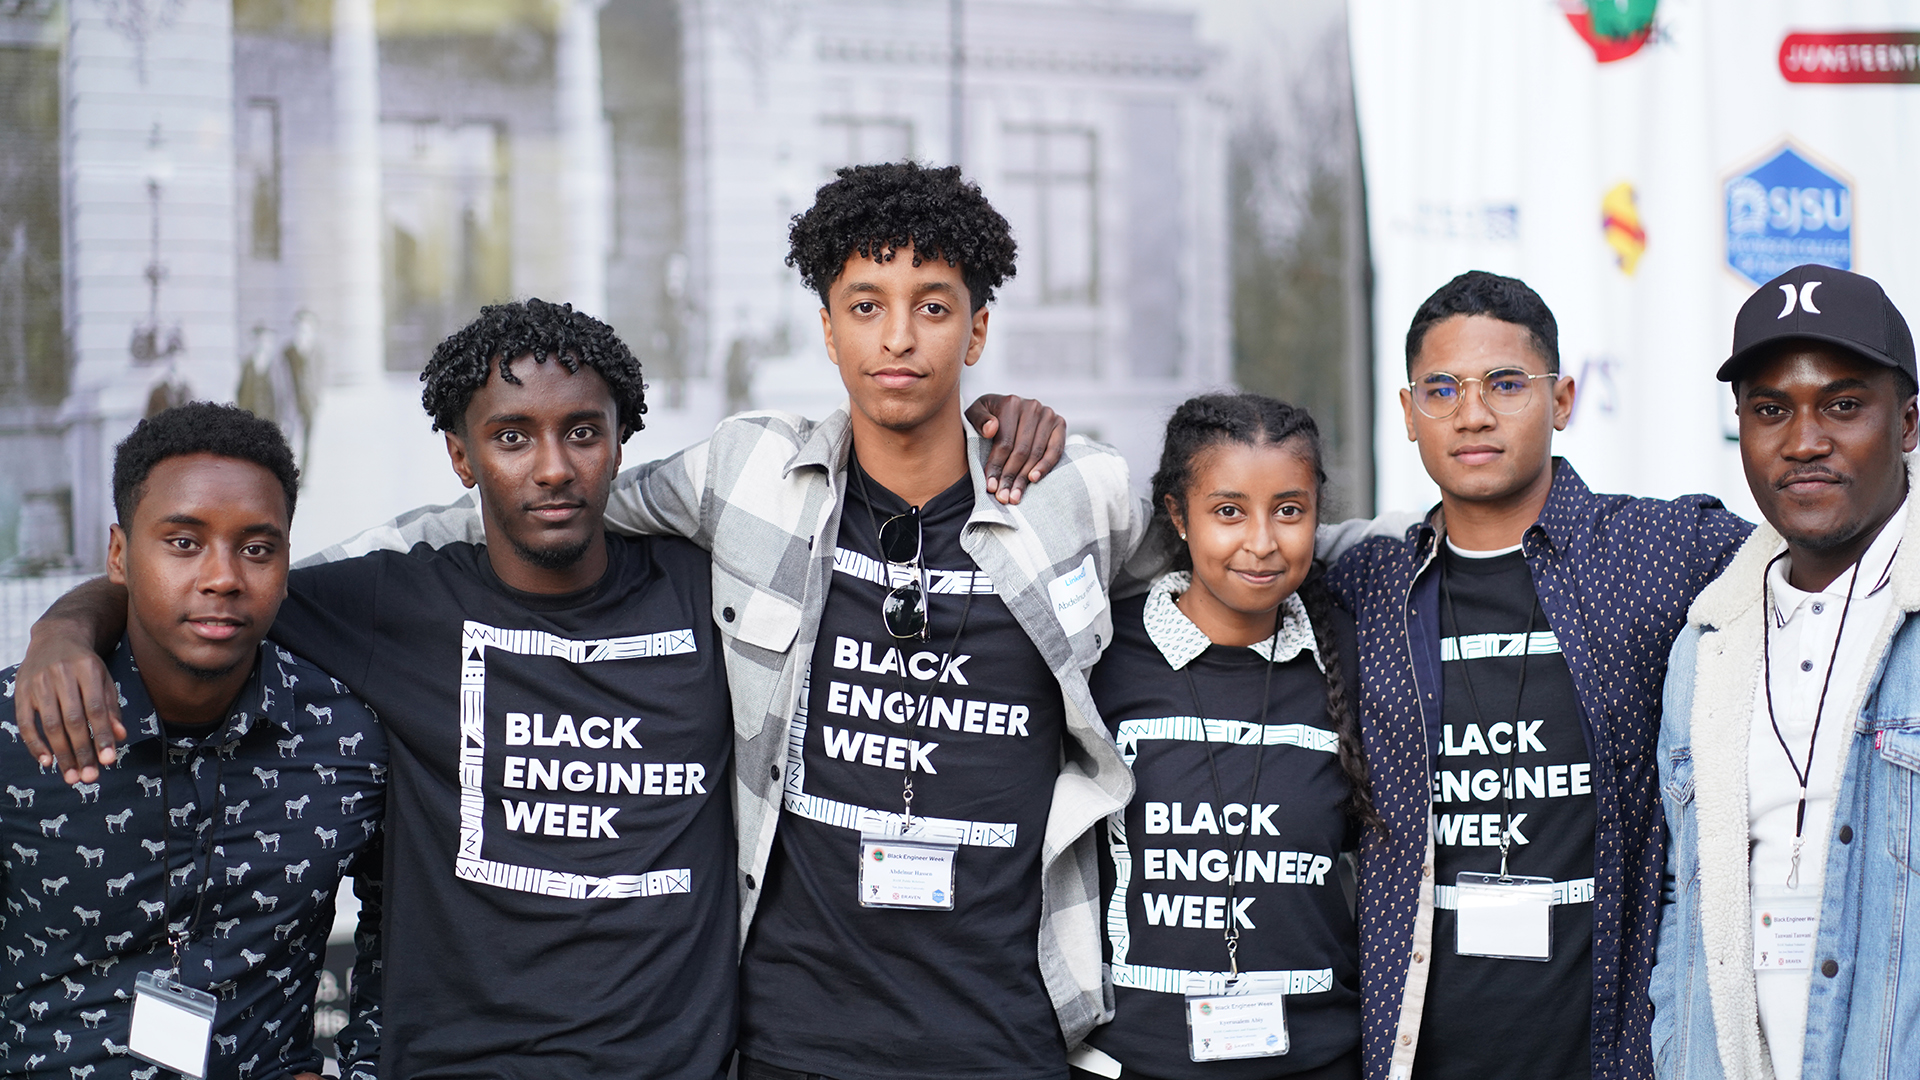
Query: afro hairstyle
(874, 211)
(533, 327)
(199, 427)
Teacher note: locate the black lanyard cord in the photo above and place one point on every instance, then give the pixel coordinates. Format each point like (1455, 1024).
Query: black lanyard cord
(181, 939)
(1766, 661)
(1232, 933)
(1473, 700)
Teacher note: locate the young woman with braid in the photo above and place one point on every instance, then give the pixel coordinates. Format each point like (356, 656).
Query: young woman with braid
(1227, 691)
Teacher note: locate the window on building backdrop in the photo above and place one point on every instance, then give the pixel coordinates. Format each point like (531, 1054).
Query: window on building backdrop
(448, 247)
(1049, 190)
(260, 160)
(862, 140)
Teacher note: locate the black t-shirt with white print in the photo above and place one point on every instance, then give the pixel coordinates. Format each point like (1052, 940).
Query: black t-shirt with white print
(867, 993)
(1165, 873)
(560, 886)
(1488, 1019)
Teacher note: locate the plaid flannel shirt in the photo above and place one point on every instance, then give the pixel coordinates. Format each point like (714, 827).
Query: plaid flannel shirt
(764, 496)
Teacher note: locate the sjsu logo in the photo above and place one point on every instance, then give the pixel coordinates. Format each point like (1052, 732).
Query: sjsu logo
(1784, 212)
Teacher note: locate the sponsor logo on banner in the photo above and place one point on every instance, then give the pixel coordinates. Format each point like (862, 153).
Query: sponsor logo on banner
(1786, 211)
(1889, 57)
(1613, 29)
(1620, 220)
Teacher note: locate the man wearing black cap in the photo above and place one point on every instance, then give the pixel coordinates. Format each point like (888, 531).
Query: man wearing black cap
(1790, 755)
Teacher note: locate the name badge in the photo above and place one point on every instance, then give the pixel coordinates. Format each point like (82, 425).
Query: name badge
(172, 1024)
(1784, 931)
(1245, 1018)
(906, 872)
(1505, 918)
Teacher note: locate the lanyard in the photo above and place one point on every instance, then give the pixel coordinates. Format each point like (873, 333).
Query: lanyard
(1232, 934)
(926, 597)
(1519, 696)
(1766, 654)
(179, 939)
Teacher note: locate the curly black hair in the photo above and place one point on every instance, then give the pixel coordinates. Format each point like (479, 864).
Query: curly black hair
(875, 210)
(1477, 292)
(1204, 422)
(533, 327)
(199, 427)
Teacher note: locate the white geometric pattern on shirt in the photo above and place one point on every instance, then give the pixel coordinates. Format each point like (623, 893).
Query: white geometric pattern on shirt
(469, 863)
(1194, 729)
(893, 575)
(1180, 641)
(1492, 646)
(998, 834)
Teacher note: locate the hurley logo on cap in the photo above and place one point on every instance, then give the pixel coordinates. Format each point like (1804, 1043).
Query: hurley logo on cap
(1822, 304)
(1805, 299)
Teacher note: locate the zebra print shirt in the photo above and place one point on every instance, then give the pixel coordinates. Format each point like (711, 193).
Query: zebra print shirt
(250, 824)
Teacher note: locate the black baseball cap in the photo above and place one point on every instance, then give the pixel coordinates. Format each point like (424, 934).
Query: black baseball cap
(1820, 303)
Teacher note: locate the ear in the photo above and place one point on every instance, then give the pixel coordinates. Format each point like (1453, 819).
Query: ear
(979, 337)
(457, 454)
(826, 331)
(1406, 409)
(1562, 402)
(1910, 425)
(1178, 513)
(116, 554)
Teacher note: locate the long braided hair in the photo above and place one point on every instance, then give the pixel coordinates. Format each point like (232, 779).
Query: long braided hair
(1256, 420)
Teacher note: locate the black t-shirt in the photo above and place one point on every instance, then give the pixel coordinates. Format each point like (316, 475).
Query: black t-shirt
(1487, 1019)
(560, 872)
(1182, 836)
(861, 993)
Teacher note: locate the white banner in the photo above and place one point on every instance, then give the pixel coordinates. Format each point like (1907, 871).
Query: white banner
(1643, 166)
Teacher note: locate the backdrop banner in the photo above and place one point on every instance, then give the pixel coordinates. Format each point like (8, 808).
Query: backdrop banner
(1643, 165)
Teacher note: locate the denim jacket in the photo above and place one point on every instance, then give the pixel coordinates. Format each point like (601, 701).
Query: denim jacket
(1615, 575)
(1863, 1005)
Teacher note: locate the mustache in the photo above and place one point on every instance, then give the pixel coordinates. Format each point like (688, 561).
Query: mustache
(1808, 472)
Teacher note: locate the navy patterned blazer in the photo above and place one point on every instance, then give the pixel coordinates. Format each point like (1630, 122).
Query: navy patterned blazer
(239, 840)
(1615, 575)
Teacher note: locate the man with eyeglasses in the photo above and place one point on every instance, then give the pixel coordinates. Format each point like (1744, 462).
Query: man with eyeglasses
(1512, 651)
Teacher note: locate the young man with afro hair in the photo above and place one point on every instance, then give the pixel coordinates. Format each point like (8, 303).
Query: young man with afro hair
(559, 891)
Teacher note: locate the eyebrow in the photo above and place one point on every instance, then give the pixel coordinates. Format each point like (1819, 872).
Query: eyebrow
(924, 287)
(258, 528)
(573, 417)
(1774, 393)
(1294, 494)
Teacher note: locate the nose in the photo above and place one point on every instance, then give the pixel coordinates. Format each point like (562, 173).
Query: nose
(220, 570)
(1264, 538)
(552, 465)
(1806, 437)
(1474, 414)
(896, 335)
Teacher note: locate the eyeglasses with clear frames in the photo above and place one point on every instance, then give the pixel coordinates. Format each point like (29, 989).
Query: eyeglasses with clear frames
(1504, 390)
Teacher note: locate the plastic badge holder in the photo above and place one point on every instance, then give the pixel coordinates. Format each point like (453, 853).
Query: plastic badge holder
(912, 872)
(1503, 917)
(1245, 1018)
(172, 1024)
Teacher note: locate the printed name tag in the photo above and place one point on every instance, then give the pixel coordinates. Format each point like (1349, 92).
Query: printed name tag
(1506, 918)
(172, 1024)
(906, 872)
(1245, 1018)
(1784, 930)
